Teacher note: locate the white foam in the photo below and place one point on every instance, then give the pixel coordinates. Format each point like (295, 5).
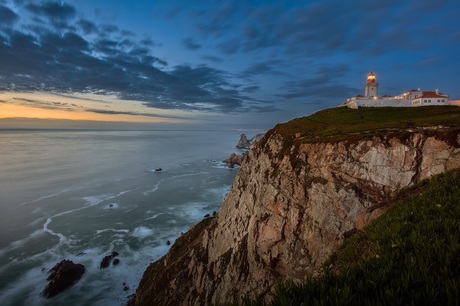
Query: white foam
(21, 242)
(113, 205)
(142, 232)
(46, 197)
(155, 188)
(90, 202)
(154, 216)
(112, 230)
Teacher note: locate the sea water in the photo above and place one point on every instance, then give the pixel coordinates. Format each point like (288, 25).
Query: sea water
(80, 195)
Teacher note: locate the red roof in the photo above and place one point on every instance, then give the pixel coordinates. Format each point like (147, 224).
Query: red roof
(387, 96)
(358, 96)
(430, 94)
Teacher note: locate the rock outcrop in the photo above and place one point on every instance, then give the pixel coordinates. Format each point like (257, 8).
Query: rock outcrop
(288, 210)
(63, 275)
(234, 159)
(244, 143)
(105, 263)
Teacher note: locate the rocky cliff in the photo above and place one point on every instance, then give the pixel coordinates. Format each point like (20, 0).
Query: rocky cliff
(289, 208)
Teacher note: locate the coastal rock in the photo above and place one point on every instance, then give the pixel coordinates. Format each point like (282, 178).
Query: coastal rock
(234, 159)
(64, 275)
(105, 263)
(288, 210)
(243, 142)
(254, 140)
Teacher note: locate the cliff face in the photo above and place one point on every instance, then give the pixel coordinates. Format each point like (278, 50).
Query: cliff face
(288, 210)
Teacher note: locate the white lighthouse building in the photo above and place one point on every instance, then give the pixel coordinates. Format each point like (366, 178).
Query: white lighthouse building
(371, 89)
(407, 99)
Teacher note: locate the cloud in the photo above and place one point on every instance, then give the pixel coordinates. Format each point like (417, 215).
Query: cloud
(250, 89)
(87, 26)
(319, 28)
(53, 10)
(7, 16)
(190, 44)
(213, 59)
(71, 59)
(264, 68)
(110, 112)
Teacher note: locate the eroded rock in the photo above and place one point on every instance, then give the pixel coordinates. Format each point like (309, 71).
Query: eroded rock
(63, 275)
(288, 210)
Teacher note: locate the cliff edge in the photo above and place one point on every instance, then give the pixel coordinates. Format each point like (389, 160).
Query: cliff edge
(298, 192)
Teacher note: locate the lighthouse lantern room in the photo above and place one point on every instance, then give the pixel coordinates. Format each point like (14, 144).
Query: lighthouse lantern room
(371, 89)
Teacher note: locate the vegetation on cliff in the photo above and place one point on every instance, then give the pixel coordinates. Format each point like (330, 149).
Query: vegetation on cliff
(345, 123)
(409, 256)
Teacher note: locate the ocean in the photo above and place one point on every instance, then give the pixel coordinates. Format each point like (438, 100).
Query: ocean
(80, 195)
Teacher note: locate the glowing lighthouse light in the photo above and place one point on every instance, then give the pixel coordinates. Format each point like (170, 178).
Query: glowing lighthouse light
(371, 78)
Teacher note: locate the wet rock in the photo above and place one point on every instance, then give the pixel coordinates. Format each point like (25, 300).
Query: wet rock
(105, 263)
(168, 242)
(207, 215)
(63, 276)
(116, 262)
(158, 170)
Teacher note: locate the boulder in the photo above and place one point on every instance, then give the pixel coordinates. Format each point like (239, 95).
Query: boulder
(64, 275)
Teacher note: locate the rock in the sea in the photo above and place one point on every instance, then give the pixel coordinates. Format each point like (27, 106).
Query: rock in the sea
(116, 261)
(105, 263)
(168, 242)
(64, 275)
(243, 142)
(234, 159)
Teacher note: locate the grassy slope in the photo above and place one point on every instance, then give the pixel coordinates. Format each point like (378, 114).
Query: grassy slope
(339, 123)
(409, 256)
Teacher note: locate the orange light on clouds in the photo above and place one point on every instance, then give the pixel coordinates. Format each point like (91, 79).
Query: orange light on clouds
(39, 105)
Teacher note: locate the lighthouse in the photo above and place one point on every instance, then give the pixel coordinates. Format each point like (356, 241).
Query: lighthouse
(371, 89)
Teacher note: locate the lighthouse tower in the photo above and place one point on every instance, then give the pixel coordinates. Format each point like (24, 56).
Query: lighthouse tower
(371, 89)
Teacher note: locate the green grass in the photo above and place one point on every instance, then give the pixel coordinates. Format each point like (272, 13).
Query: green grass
(339, 123)
(409, 256)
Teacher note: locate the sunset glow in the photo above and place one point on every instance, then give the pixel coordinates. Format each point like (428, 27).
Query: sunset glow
(42, 105)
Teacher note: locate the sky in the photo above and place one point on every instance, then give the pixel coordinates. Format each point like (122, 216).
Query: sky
(215, 64)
